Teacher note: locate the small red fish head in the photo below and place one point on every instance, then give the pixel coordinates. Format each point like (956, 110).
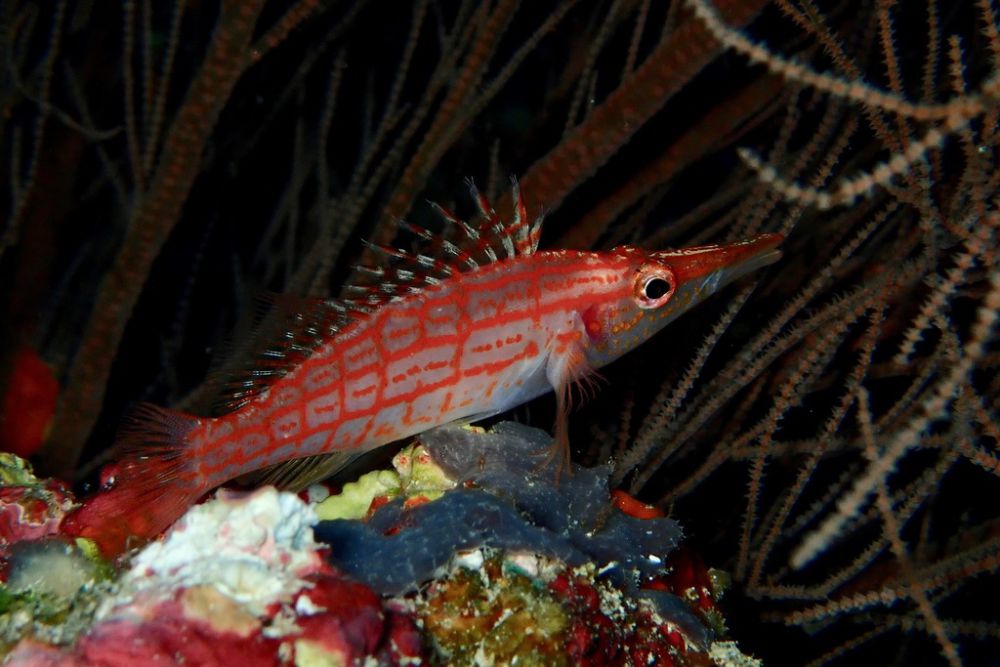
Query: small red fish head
(664, 284)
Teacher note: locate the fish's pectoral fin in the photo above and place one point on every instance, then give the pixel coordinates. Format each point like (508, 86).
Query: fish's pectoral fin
(573, 380)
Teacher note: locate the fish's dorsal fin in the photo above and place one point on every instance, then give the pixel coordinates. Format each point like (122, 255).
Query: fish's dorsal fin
(293, 328)
(442, 256)
(306, 323)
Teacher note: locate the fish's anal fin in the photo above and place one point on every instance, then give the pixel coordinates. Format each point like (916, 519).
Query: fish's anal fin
(298, 474)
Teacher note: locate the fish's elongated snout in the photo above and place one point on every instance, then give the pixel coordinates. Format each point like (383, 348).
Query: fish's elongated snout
(720, 265)
(747, 257)
(681, 280)
(702, 271)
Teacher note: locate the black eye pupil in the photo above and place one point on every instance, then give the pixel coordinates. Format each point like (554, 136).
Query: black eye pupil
(655, 288)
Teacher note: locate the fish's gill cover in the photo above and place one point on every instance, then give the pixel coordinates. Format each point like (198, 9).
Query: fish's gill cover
(515, 503)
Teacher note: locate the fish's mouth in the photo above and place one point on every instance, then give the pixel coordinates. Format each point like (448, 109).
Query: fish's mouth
(760, 251)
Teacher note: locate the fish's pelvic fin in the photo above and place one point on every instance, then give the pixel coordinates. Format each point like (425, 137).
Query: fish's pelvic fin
(568, 372)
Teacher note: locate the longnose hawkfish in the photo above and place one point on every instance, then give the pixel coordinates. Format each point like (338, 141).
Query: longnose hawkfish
(464, 329)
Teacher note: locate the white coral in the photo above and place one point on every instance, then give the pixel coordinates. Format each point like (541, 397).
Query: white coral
(252, 547)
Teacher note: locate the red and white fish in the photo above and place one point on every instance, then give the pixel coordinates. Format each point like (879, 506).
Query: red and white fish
(469, 329)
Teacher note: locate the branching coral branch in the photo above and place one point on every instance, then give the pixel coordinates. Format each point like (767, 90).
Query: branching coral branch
(678, 58)
(933, 407)
(156, 211)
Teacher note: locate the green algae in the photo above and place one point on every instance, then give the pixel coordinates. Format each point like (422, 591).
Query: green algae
(15, 471)
(48, 618)
(52, 592)
(356, 497)
(415, 476)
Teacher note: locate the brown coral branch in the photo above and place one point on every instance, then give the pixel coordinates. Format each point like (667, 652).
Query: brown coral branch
(678, 58)
(151, 222)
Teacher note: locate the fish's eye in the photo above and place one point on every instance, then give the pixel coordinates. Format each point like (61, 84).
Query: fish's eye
(654, 288)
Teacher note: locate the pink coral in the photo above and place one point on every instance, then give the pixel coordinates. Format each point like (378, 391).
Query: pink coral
(238, 581)
(168, 632)
(346, 619)
(31, 512)
(595, 639)
(341, 620)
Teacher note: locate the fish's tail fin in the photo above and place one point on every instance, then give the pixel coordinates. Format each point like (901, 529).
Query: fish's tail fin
(152, 484)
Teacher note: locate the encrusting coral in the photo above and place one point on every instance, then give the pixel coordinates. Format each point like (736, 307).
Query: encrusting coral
(471, 551)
